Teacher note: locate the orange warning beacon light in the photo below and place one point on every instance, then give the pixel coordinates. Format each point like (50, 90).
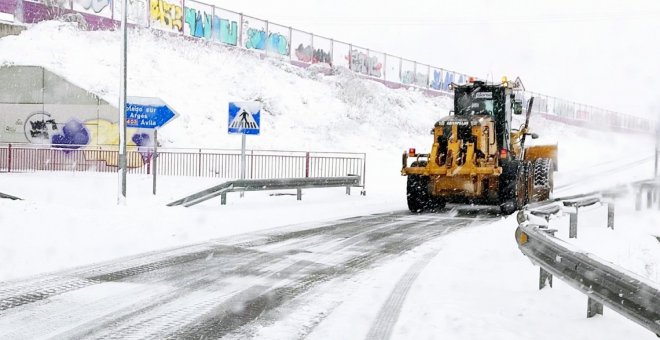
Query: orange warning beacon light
(411, 152)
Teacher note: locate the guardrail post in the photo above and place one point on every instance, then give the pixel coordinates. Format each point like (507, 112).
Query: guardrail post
(348, 191)
(9, 158)
(638, 200)
(572, 231)
(299, 194)
(649, 198)
(307, 164)
(199, 163)
(544, 277)
(594, 308)
(610, 215)
(223, 199)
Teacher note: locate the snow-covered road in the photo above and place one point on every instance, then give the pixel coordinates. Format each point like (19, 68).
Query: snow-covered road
(220, 287)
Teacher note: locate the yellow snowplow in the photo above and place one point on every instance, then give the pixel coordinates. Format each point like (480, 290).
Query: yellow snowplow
(476, 157)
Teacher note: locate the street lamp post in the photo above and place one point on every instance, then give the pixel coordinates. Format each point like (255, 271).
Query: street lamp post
(122, 107)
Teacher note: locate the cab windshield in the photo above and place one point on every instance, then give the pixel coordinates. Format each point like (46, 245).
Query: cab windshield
(475, 103)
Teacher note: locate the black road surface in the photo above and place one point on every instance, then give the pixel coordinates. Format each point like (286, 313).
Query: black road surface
(216, 288)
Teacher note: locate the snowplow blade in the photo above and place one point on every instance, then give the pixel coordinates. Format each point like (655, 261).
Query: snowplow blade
(543, 151)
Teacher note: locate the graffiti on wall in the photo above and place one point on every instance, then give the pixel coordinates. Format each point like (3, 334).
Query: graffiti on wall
(165, 15)
(97, 6)
(412, 78)
(225, 31)
(73, 135)
(92, 136)
(362, 63)
(438, 83)
(309, 55)
(138, 11)
(272, 42)
(199, 23)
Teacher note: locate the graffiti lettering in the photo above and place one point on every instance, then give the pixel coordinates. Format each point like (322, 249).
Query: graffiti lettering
(275, 42)
(362, 63)
(199, 23)
(39, 126)
(308, 55)
(169, 15)
(96, 5)
(436, 83)
(225, 31)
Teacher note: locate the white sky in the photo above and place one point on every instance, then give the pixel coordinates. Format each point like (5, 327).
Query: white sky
(604, 53)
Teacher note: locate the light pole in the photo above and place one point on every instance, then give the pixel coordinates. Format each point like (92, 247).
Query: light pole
(122, 107)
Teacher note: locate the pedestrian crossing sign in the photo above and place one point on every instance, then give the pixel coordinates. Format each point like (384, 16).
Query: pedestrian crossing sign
(244, 118)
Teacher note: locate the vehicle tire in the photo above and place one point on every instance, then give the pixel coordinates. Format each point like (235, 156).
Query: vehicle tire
(419, 199)
(543, 180)
(417, 193)
(512, 186)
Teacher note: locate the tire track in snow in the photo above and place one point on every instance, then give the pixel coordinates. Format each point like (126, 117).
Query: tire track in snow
(389, 313)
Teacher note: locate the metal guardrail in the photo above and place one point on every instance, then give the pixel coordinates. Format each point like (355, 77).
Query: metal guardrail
(652, 189)
(268, 184)
(604, 284)
(7, 196)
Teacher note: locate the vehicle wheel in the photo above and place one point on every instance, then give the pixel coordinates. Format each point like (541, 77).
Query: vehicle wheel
(512, 187)
(543, 180)
(417, 193)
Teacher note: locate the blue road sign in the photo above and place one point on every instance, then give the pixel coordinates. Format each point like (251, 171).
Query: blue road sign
(148, 113)
(244, 118)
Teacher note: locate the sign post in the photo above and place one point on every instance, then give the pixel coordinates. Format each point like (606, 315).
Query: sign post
(657, 150)
(244, 119)
(149, 113)
(154, 160)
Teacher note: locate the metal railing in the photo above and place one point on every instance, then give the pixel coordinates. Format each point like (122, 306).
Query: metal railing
(604, 283)
(183, 162)
(268, 184)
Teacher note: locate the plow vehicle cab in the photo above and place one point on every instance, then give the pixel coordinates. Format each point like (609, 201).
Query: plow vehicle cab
(477, 157)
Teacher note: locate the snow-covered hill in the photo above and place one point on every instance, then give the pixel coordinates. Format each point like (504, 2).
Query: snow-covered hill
(338, 112)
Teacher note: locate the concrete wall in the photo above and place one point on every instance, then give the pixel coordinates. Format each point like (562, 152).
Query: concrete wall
(40, 107)
(9, 29)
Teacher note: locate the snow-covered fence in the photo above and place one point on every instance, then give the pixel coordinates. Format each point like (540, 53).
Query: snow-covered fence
(182, 162)
(604, 283)
(199, 20)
